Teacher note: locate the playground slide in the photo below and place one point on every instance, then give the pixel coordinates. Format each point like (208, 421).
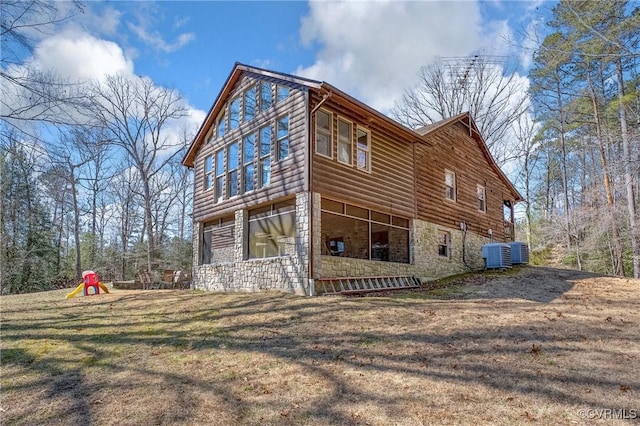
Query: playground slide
(81, 288)
(76, 291)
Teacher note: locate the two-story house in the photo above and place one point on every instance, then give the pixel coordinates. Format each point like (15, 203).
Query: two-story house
(297, 182)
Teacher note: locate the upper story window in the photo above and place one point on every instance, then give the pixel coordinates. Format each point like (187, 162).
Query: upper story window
(219, 175)
(282, 93)
(222, 124)
(232, 167)
(282, 151)
(364, 150)
(249, 103)
(208, 172)
(345, 135)
(450, 185)
(324, 139)
(266, 97)
(482, 198)
(265, 156)
(234, 114)
(248, 168)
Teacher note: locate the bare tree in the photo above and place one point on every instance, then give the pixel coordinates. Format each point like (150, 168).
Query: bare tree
(525, 132)
(29, 94)
(135, 113)
(494, 96)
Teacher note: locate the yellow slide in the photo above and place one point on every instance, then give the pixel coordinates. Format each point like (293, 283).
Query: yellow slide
(76, 291)
(81, 288)
(103, 287)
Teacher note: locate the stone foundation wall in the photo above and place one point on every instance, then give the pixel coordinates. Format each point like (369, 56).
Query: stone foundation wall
(465, 251)
(289, 273)
(427, 263)
(285, 273)
(334, 266)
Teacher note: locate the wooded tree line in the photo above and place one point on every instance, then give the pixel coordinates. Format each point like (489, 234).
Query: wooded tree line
(570, 140)
(582, 163)
(90, 174)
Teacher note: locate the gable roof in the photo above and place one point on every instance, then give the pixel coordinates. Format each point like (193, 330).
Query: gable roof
(418, 135)
(320, 86)
(465, 119)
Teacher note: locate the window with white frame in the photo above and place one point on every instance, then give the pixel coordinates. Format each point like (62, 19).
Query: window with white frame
(248, 168)
(234, 113)
(450, 185)
(222, 124)
(482, 198)
(444, 244)
(249, 104)
(232, 169)
(265, 156)
(282, 93)
(345, 135)
(266, 97)
(208, 172)
(282, 147)
(219, 175)
(364, 150)
(324, 139)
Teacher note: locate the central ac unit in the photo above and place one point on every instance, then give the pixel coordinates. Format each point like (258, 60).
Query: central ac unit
(519, 252)
(496, 256)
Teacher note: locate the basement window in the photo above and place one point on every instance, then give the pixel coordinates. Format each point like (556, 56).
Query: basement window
(444, 244)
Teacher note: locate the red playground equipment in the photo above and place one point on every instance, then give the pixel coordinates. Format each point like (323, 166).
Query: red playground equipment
(89, 280)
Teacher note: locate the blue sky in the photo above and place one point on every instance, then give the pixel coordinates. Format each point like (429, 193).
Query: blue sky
(370, 49)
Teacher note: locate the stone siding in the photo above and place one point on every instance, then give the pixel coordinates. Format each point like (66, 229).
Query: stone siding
(290, 273)
(430, 265)
(427, 263)
(285, 273)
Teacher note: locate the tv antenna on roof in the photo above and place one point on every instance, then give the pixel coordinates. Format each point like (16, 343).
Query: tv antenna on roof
(460, 67)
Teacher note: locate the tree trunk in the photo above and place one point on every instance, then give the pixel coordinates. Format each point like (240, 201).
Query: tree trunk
(628, 181)
(76, 222)
(563, 168)
(618, 266)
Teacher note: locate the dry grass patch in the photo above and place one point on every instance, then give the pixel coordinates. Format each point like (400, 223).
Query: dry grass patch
(535, 345)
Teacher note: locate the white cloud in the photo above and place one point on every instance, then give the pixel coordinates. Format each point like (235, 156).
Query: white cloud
(105, 22)
(374, 50)
(79, 56)
(156, 40)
